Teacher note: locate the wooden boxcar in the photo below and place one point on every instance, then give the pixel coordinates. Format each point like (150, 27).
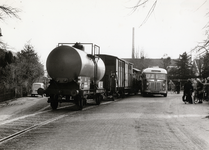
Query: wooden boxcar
(118, 78)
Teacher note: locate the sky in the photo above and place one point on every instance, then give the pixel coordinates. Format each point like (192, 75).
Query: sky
(174, 27)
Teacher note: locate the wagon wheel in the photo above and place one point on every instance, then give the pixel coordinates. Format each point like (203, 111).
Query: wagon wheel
(79, 101)
(144, 94)
(54, 102)
(84, 102)
(122, 94)
(112, 98)
(98, 99)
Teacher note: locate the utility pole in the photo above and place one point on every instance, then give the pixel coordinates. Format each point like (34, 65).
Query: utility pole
(133, 49)
(0, 32)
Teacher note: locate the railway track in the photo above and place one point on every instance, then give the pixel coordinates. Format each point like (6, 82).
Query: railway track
(18, 126)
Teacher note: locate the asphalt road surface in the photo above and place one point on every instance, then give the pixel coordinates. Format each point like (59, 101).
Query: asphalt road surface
(132, 123)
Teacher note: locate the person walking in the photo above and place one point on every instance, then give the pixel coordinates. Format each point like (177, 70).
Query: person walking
(171, 86)
(200, 91)
(178, 87)
(207, 89)
(188, 90)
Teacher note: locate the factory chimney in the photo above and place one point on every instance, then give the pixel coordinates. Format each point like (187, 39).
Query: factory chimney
(133, 49)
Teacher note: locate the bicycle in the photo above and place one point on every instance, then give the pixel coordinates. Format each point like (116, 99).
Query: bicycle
(197, 97)
(187, 97)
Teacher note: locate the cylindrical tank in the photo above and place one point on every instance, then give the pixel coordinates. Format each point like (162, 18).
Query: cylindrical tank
(66, 63)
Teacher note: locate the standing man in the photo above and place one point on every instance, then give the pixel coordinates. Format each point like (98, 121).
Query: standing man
(200, 90)
(188, 89)
(171, 86)
(207, 89)
(178, 86)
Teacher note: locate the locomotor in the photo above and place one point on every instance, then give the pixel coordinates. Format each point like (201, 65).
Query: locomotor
(75, 76)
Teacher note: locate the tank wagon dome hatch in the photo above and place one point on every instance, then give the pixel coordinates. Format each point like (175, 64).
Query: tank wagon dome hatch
(78, 46)
(66, 63)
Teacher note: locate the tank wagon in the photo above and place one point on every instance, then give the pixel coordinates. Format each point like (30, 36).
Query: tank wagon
(75, 75)
(118, 78)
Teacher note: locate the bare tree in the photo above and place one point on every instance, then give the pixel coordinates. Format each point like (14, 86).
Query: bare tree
(203, 48)
(136, 53)
(142, 54)
(166, 61)
(142, 3)
(206, 45)
(8, 11)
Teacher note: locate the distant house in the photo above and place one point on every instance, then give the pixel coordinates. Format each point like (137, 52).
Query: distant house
(149, 62)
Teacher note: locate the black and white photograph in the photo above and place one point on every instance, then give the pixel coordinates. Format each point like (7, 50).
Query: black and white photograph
(104, 75)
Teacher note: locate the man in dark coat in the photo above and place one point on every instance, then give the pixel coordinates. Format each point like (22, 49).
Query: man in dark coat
(188, 89)
(207, 89)
(178, 86)
(200, 90)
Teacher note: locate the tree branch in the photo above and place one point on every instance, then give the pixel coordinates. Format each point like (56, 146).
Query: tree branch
(149, 13)
(8, 11)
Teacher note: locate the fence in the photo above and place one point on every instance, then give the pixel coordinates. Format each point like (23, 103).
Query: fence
(7, 94)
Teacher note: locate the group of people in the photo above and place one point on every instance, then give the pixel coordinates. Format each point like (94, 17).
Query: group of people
(197, 86)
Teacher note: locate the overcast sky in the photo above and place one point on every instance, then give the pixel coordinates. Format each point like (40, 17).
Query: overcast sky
(175, 26)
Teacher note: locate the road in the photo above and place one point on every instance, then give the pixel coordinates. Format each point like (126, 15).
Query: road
(132, 123)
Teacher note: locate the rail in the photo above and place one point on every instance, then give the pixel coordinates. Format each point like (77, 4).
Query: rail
(13, 128)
